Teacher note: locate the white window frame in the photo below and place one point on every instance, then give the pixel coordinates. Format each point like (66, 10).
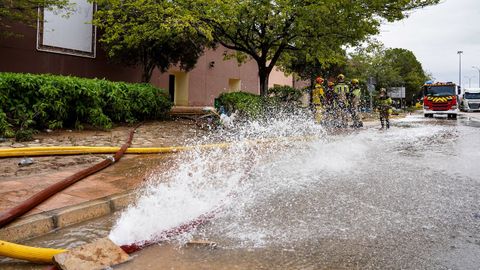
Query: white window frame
(53, 49)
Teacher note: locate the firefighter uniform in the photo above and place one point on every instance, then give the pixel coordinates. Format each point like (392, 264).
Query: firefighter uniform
(384, 103)
(354, 103)
(341, 107)
(318, 97)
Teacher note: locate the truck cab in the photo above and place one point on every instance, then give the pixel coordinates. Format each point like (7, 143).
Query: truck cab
(471, 100)
(440, 99)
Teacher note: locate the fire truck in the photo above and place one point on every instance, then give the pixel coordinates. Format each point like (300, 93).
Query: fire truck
(440, 98)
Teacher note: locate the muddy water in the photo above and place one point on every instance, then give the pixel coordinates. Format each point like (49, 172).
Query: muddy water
(407, 198)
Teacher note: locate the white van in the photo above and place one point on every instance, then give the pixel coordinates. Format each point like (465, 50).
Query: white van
(471, 100)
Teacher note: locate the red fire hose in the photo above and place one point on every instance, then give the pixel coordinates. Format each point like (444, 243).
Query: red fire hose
(17, 211)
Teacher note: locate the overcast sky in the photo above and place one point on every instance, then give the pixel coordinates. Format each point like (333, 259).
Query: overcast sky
(436, 33)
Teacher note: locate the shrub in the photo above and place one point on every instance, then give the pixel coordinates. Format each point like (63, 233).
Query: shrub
(48, 101)
(286, 94)
(246, 104)
(280, 98)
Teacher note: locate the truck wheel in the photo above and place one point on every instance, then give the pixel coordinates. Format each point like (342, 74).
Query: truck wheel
(428, 115)
(452, 116)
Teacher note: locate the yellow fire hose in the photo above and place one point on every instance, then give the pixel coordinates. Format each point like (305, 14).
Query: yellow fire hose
(78, 150)
(32, 254)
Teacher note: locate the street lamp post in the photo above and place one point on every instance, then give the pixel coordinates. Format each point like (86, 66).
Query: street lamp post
(469, 81)
(460, 69)
(477, 68)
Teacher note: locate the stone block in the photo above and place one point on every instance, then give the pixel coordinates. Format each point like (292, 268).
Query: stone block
(100, 254)
(120, 201)
(82, 212)
(27, 227)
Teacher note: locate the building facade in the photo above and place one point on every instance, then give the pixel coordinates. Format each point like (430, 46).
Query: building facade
(68, 46)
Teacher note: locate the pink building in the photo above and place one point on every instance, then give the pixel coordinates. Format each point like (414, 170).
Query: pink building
(68, 46)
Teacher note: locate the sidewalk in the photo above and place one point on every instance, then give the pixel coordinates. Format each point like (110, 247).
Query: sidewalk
(103, 188)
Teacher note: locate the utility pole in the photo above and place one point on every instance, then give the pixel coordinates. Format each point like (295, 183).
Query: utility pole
(478, 69)
(469, 81)
(460, 69)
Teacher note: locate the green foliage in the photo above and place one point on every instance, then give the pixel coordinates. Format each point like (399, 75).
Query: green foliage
(25, 11)
(389, 67)
(23, 135)
(31, 102)
(246, 104)
(270, 30)
(280, 98)
(5, 127)
(150, 33)
(286, 94)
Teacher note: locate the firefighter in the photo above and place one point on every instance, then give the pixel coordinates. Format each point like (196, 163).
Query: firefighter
(318, 98)
(354, 103)
(384, 103)
(329, 104)
(341, 107)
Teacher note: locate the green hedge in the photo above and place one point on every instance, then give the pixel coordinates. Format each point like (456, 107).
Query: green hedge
(280, 98)
(247, 104)
(30, 102)
(286, 94)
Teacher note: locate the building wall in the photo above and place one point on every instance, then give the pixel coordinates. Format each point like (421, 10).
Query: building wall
(20, 55)
(277, 77)
(199, 87)
(212, 76)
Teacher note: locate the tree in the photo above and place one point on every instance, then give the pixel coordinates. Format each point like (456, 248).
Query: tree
(266, 30)
(409, 68)
(25, 11)
(308, 68)
(370, 62)
(389, 67)
(150, 33)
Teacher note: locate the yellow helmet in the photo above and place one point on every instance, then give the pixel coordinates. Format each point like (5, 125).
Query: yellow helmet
(340, 77)
(355, 81)
(330, 83)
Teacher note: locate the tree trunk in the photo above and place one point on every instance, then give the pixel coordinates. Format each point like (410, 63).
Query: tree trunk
(263, 74)
(147, 72)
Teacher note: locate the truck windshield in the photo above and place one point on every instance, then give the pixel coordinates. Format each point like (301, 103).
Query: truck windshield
(439, 91)
(472, 96)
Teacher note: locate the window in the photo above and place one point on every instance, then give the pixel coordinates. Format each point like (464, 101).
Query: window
(234, 84)
(71, 34)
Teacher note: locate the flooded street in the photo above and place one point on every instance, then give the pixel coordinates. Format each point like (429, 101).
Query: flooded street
(405, 198)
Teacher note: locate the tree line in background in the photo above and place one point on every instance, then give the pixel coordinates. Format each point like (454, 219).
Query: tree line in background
(298, 35)
(386, 67)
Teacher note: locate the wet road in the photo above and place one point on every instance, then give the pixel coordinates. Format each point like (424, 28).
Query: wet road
(406, 198)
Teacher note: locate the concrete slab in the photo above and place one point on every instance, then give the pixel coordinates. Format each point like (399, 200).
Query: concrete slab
(45, 222)
(27, 227)
(82, 212)
(100, 254)
(120, 201)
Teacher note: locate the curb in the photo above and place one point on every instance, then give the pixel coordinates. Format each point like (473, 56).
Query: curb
(45, 222)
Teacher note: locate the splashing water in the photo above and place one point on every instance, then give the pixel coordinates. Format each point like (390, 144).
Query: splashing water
(297, 190)
(206, 180)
